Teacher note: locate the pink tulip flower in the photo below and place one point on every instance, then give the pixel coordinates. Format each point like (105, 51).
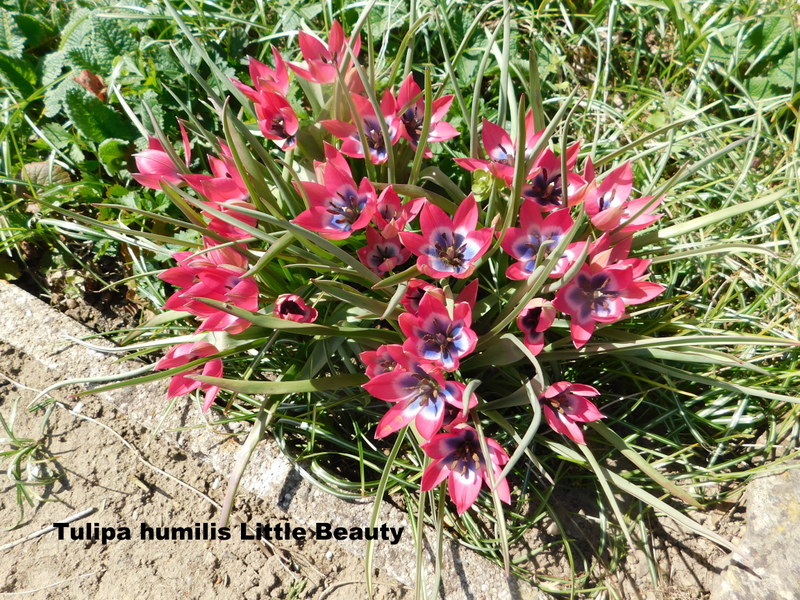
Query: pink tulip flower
(458, 457)
(419, 393)
(448, 246)
(565, 405)
(181, 384)
(501, 150)
(411, 111)
(155, 165)
(338, 207)
(377, 146)
(536, 318)
(523, 243)
(382, 254)
(433, 335)
(293, 308)
(323, 61)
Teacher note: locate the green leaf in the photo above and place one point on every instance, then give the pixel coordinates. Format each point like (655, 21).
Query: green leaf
(782, 75)
(280, 388)
(17, 75)
(36, 29)
(94, 119)
(11, 42)
(709, 219)
(108, 40)
(646, 468)
(270, 322)
(113, 154)
(352, 296)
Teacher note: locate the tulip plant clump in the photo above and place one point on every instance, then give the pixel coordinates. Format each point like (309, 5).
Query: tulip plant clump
(341, 268)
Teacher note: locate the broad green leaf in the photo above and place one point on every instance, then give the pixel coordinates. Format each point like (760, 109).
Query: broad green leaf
(94, 119)
(270, 322)
(352, 296)
(113, 154)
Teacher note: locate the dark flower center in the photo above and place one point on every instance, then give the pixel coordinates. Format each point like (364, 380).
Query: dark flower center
(348, 207)
(440, 338)
(374, 135)
(383, 252)
(531, 319)
(557, 402)
(427, 389)
(545, 189)
(468, 456)
(290, 307)
(412, 121)
(595, 292)
(450, 249)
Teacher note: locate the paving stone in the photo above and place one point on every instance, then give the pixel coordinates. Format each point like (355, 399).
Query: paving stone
(771, 542)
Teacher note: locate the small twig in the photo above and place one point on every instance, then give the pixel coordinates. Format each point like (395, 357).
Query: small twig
(35, 534)
(17, 383)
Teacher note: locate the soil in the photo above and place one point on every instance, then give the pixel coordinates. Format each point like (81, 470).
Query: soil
(82, 449)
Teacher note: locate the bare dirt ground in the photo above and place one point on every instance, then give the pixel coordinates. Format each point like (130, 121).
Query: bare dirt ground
(95, 469)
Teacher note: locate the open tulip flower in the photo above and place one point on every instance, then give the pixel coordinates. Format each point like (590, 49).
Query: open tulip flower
(448, 246)
(602, 289)
(391, 216)
(216, 275)
(458, 457)
(501, 150)
(276, 119)
(411, 107)
(419, 392)
(565, 405)
(433, 335)
(545, 182)
(338, 207)
(265, 79)
(377, 144)
(537, 232)
(609, 207)
(382, 360)
(382, 255)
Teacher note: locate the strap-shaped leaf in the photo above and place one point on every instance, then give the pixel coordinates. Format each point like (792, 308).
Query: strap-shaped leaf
(281, 388)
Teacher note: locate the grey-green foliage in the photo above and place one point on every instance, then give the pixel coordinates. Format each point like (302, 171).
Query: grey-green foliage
(762, 53)
(94, 119)
(15, 74)
(11, 40)
(90, 41)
